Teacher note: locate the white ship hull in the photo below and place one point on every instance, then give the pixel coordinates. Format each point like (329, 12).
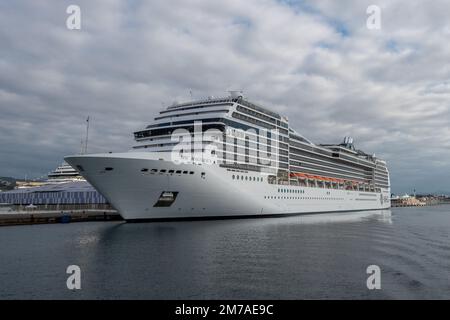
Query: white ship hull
(139, 195)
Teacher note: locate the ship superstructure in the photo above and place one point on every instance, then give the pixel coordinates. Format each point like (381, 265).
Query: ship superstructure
(64, 173)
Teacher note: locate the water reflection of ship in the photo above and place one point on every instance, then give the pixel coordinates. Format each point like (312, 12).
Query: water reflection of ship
(338, 217)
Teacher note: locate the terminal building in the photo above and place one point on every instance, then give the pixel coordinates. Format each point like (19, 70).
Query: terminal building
(64, 189)
(62, 196)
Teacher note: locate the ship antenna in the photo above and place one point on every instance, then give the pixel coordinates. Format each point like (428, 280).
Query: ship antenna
(87, 135)
(82, 147)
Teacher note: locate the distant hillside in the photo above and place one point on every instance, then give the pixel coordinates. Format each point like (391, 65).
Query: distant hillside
(7, 183)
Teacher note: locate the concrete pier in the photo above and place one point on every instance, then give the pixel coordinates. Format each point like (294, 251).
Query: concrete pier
(41, 217)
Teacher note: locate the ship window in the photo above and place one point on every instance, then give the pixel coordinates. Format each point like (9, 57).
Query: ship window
(185, 172)
(144, 170)
(233, 177)
(163, 170)
(254, 178)
(178, 172)
(109, 169)
(191, 172)
(154, 170)
(171, 171)
(246, 178)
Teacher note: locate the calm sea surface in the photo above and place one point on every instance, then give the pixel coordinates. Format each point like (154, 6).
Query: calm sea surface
(318, 256)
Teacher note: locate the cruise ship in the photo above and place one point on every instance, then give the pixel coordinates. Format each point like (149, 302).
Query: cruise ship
(64, 173)
(229, 157)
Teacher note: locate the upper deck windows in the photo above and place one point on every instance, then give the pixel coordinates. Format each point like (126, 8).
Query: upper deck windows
(251, 120)
(191, 114)
(266, 125)
(298, 138)
(158, 130)
(256, 114)
(284, 124)
(188, 125)
(259, 109)
(202, 102)
(172, 110)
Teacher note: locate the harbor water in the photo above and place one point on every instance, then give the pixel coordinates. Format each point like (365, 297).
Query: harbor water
(322, 256)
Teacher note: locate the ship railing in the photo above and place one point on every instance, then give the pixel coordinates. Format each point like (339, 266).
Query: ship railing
(318, 183)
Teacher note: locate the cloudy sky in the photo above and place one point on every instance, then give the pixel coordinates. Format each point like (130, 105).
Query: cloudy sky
(314, 61)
